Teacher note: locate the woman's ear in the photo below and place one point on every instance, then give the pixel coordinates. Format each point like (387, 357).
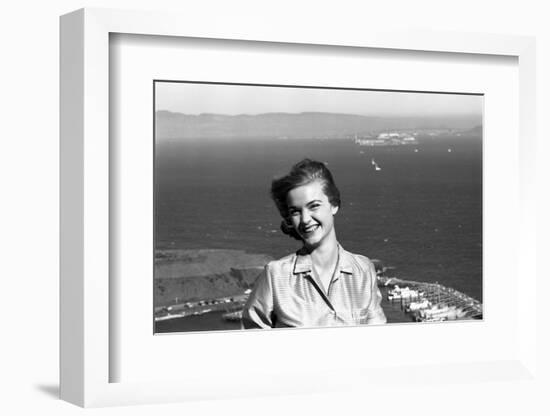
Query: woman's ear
(334, 209)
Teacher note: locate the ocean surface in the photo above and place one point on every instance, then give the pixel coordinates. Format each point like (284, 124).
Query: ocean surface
(421, 213)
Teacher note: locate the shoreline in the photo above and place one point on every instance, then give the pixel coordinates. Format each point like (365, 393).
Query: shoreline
(220, 280)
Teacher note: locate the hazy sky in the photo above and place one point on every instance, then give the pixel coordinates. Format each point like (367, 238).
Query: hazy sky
(242, 99)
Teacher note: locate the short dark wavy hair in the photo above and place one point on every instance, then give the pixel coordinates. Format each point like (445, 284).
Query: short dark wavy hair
(302, 173)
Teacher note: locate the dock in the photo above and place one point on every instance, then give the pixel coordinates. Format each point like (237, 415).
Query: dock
(430, 302)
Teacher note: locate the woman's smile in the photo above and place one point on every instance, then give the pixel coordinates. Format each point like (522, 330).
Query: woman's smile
(308, 231)
(309, 228)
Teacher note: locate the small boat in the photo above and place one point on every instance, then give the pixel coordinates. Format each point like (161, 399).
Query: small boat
(417, 306)
(404, 293)
(376, 167)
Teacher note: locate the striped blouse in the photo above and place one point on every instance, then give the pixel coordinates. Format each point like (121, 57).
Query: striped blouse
(288, 294)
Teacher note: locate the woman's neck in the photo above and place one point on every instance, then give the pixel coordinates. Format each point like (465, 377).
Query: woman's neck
(326, 255)
(324, 260)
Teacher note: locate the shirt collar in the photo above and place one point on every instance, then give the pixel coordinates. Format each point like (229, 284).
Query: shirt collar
(303, 263)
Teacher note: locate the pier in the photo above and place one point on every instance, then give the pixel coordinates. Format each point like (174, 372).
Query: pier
(429, 302)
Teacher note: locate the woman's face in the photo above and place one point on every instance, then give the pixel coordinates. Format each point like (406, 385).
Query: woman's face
(311, 214)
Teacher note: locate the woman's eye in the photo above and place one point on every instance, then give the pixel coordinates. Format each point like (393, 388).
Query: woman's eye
(294, 213)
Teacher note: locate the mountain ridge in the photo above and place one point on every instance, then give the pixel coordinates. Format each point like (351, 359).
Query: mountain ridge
(173, 125)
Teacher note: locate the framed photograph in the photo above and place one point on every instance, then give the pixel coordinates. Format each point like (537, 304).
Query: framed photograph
(172, 136)
(408, 170)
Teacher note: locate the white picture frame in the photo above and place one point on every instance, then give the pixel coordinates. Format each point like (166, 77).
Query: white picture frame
(86, 355)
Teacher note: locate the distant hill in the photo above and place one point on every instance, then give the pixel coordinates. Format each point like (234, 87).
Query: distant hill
(170, 125)
(191, 275)
(170, 264)
(477, 130)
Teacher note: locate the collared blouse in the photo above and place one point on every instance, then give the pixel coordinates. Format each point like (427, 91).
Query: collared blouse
(288, 294)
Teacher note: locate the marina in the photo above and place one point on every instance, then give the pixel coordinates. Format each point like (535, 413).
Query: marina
(430, 302)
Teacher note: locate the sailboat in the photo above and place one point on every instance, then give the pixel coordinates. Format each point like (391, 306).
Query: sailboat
(376, 167)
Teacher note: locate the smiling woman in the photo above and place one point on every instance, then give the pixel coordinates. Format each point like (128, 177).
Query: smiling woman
(311, 214)
(322, 284)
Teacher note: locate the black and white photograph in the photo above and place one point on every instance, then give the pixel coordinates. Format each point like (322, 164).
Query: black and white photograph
(299, 206)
